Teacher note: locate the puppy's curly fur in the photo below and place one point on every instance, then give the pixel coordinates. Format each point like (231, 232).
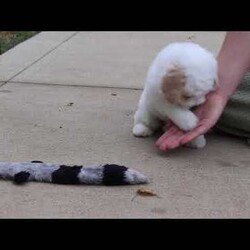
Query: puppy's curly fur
(180, 77)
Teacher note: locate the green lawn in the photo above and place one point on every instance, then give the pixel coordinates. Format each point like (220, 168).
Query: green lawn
(9, 39)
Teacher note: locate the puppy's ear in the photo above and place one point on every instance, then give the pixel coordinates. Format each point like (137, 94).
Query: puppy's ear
(173, 84)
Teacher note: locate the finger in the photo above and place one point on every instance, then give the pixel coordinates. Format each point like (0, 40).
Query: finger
(171, 142)
(166, 135)
(175, 137)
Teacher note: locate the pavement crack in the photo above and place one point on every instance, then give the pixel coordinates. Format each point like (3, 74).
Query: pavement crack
(74, 85)
(31, 64)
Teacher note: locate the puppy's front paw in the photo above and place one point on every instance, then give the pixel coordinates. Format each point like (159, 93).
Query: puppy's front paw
(188, 122)
(140, 130)
(199, 142)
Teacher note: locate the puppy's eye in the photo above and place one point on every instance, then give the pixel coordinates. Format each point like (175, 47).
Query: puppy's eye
(186, 97)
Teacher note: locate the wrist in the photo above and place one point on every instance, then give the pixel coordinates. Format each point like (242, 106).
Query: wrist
(226, 86)
(221, 96)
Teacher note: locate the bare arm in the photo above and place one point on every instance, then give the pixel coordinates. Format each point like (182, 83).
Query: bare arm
(233, 62)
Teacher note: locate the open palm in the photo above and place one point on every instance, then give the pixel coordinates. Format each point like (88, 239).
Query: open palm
(207, 113)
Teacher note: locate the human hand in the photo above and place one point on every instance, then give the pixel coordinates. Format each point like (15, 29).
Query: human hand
(208, 114)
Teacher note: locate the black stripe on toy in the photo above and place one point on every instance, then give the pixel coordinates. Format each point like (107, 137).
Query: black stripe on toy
(36, 162)
(21, 177)
(114, 175)
(66, 175)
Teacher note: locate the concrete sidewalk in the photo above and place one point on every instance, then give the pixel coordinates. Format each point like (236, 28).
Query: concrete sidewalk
(102, 74)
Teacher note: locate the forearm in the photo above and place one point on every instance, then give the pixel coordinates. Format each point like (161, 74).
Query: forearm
(233, 62)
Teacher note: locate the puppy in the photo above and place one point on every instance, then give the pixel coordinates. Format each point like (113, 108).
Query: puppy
(180, 77)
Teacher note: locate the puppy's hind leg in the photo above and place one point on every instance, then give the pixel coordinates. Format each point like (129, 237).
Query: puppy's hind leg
(145, 123)
(199, 142)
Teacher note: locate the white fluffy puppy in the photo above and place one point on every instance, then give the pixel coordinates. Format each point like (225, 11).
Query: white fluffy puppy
(180, 77)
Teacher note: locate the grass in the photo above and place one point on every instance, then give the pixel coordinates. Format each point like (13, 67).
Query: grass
(9, 39)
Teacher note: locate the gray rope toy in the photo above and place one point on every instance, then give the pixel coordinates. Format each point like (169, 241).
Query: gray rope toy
(107, 174)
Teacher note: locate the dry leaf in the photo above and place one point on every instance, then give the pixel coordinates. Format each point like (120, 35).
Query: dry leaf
(144, 192)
